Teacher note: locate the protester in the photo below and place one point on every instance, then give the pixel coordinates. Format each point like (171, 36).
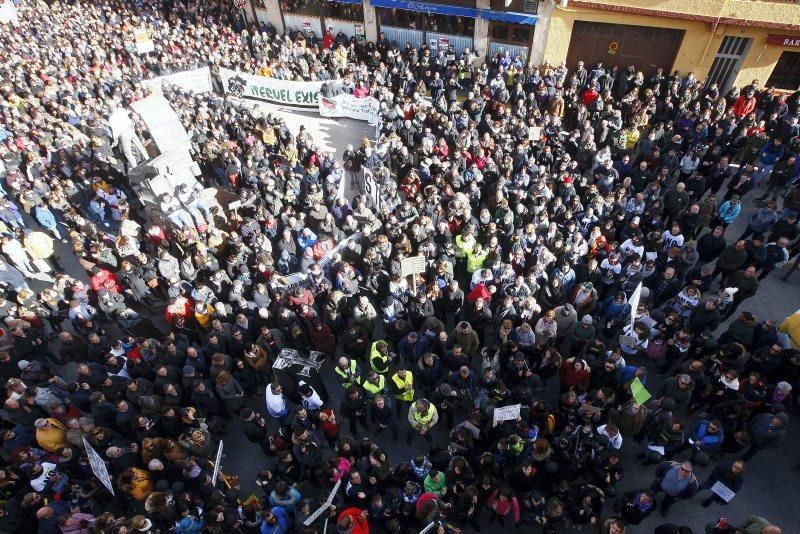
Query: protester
(567, 223)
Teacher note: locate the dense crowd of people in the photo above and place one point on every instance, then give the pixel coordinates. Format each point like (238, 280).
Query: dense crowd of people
(573, 223)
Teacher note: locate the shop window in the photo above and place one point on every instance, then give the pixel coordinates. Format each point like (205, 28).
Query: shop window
(511, 33)
(301, 7)
(786, 74)
(449, 24)
(344, 11)
(400, 18)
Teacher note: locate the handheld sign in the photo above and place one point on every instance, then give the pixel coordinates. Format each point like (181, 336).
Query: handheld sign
(507, 413)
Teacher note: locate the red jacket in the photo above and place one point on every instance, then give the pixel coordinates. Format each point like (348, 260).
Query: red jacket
(360, 524)
(105, 280)
(743, 106)
(571, 377)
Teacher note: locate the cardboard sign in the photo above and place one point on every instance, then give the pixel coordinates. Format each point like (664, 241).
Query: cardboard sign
(98, 466)
(507, 413)
(640, 393)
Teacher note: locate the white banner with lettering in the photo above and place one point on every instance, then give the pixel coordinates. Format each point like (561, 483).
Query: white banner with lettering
(346, 105)
(194, 81)
(261, 88)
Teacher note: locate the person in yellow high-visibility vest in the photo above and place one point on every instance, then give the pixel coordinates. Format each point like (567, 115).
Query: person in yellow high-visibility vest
(403, 388)
(375, 384)
(347, 373)
(422, 416)
(380, 357)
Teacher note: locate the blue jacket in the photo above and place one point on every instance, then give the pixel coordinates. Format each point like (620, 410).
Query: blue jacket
(728, 212)
(771, 153)
(281, 526)
(45, 217)
(706, 440)
(762, 220)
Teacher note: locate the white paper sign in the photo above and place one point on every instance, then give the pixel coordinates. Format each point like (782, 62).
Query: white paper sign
(723, 491)
(658, 449)
(144, 44)
(507, 413)
(412, 265)
(98, 466)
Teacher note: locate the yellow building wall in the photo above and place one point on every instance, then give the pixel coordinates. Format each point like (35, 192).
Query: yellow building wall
(699, 46)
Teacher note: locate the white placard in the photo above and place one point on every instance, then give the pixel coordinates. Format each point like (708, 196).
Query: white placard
(507, 413)
(725, 493)
(98, 466)
(656, 448)
(412, 265)
(143, 42)
(634, 302)
(194, 81)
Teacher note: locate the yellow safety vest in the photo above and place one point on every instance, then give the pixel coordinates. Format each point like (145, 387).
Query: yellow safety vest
(378, 361)
(423, 420)
(372, 388)
(406, 395)
(341, 373)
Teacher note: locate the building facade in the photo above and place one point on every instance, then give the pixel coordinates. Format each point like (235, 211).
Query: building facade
(487, 26)
(731, 42)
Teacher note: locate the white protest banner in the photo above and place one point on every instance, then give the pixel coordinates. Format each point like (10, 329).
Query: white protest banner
(326, 259)
(8, 12)
(143, 42)
(631, 341)
(313, 517)
(346, 105)
(217, 464)
(634, 301)
(371, 188)
(507, 413)
(98, 466)
(725, 493)
(165, 127)
(194, 81)
(261, 88)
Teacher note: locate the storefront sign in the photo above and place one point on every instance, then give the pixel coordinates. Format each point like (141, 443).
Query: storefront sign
(194, 81)
(261, 88)
(784, 40)
(346, 105)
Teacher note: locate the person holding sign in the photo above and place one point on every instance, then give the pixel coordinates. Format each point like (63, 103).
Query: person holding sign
(725, 481)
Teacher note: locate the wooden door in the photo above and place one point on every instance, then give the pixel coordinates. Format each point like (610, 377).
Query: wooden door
(621, 45)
